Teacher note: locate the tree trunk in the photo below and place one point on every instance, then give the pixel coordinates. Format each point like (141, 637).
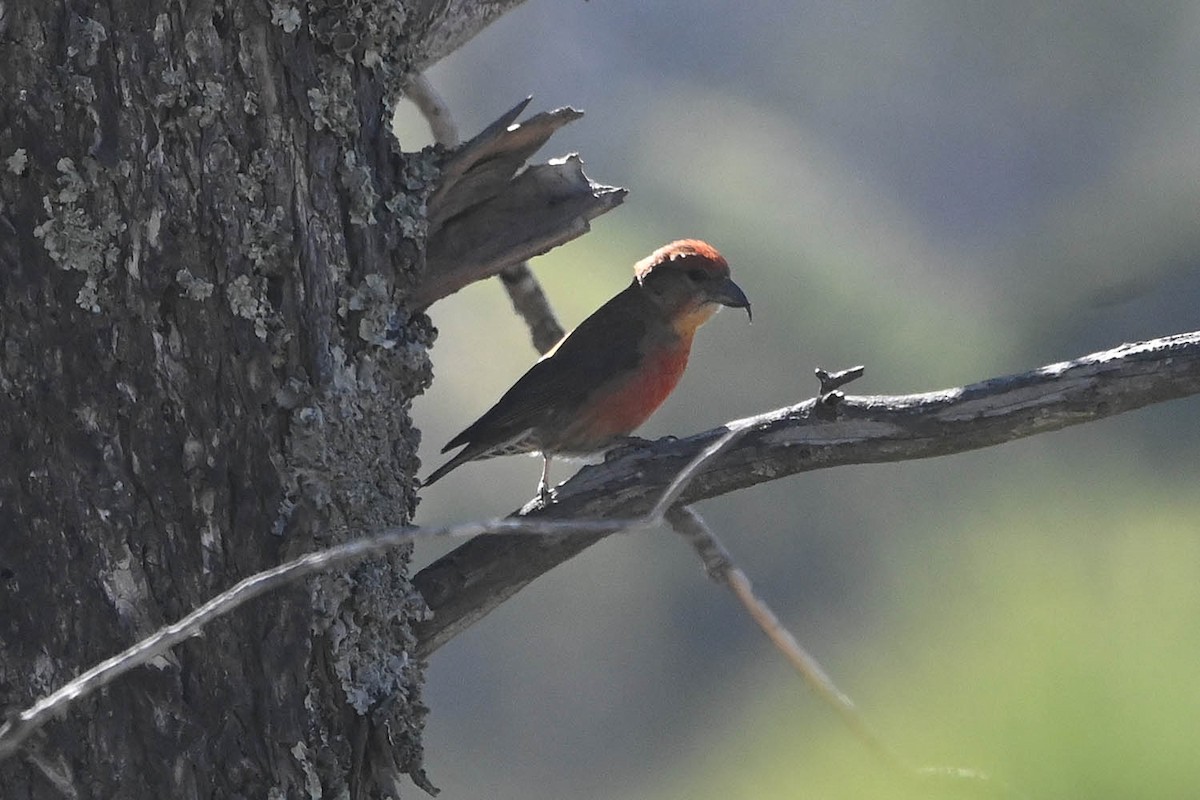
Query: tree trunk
(206, 237)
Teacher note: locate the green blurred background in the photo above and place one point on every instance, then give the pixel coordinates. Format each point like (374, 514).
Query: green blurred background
(943, 192)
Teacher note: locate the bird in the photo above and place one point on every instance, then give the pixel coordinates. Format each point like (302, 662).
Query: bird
(607, 376)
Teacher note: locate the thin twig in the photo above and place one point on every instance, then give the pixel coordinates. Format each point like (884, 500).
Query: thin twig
(832, 381)
(433, 108)
(720, 567)
(831, 395)
(531, 303)
(524, 291)
(21, 725)
(675, 488)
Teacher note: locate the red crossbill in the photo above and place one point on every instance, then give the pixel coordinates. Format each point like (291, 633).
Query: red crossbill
(603, 380)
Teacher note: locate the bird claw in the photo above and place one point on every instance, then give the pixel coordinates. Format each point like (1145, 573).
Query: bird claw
(547, 494)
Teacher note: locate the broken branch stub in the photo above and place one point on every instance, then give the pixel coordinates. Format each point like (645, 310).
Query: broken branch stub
(488, 214)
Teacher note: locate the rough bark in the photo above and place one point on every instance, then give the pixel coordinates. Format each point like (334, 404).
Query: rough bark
(207, 242)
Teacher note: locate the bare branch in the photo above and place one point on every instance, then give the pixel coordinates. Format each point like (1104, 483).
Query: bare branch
(523, 288)
(545, 206)
(832, 381)
(488, 214)
(688, 473)
(20, 726)
(530, 302)
(720, 567)
(467, 583)
(434, 109)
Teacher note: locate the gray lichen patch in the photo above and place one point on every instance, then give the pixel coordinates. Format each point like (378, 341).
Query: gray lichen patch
(372, 290)
(193, 287)
(386, 324)
(356, 179)
(370, 645)
(375, 35)
(332, 105)
(212, 103)
(17, 161)
(74, 238)
(408, 208)
(81, 89)
(312, 776)
(266, 232)
(365, 614)
(285, 15)
(248, 301)
(84, 37)
(172, 89)
(125, 586)
(265, 238)
(372, 300)
(353, 435)
(352, 451)
(409, 215)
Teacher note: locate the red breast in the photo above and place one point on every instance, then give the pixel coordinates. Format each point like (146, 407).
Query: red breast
(619, 408)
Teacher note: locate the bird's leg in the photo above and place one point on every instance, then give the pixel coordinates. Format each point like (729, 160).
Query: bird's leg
(545, 493)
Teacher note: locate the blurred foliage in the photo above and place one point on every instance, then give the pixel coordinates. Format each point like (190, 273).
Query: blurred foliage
(1053, 649)
(943, 193)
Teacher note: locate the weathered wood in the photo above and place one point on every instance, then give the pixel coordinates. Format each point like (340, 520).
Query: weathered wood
(489, 212)
(468, 583)
(526, 294)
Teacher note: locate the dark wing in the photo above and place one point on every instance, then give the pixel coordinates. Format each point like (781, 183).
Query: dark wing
(604, 346)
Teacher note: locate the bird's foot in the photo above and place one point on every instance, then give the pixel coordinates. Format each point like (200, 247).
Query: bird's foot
(547, 494)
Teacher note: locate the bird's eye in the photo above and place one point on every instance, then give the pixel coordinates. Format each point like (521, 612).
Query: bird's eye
(697, 274)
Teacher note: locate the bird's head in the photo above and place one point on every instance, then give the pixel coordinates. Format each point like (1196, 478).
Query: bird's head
(690, 281)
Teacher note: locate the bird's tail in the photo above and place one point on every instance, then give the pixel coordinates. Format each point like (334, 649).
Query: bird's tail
(463, 457)
(476, 451)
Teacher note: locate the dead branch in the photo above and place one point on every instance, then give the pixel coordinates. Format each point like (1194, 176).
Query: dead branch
(488, 214)
(531, 303)
(523, 288)
(467, 583)
(719, 566)
(434, 109)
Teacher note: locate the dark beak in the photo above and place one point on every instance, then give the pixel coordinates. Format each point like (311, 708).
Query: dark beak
(728, 293)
